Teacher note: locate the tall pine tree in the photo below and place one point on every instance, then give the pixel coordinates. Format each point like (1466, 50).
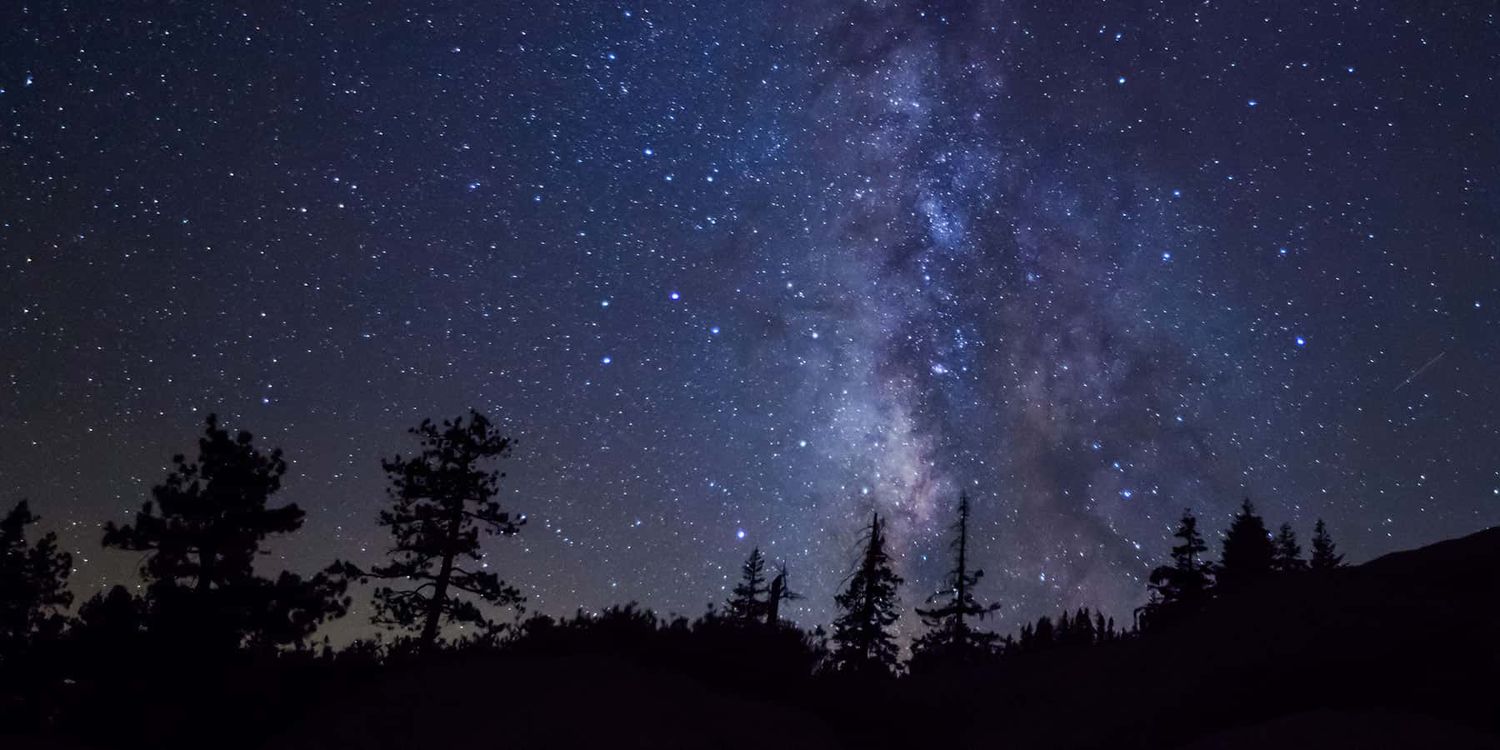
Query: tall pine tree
(1324, 555)
(1288, 557)
(442, 499)
(202, 531)
(950, 637)
(1248, 554)
(862, 641)
(33, 582)
(748, 601)
(1184, 585)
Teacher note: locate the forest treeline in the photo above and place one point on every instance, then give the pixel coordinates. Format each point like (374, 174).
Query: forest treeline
(204, 612)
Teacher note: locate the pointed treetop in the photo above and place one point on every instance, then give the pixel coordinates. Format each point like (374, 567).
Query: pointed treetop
(1324, 554)
(862, 641)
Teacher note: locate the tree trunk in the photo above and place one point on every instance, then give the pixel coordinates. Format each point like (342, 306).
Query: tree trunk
(440, 586)
(773, 605)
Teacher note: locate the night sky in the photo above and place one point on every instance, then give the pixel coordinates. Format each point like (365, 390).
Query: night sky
(736, 274)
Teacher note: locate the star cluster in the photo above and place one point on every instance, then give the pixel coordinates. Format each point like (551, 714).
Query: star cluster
(738, 274)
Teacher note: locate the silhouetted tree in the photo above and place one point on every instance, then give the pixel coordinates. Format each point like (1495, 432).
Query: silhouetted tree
(781, 591)
(109, 635)
(202, 532)
(441, 500)
(1288, 558)
(1248, 553)
(862, 641)
(950, 637)
(748, 602)
(1077, 630)
(114, 615)
(33, 582)
(1324, 556)
(1039, 638)
(1183, 585)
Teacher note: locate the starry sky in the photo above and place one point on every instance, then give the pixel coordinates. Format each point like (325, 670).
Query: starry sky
(736, 274)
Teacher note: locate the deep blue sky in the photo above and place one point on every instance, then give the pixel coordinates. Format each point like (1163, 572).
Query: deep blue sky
(734, 274)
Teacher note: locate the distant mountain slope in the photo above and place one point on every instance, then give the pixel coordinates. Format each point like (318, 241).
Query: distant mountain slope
(1413, 636)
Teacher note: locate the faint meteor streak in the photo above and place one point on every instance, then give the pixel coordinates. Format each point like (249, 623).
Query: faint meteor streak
(1419, 371)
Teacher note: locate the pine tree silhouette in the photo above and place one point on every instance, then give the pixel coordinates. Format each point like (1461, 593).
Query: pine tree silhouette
(109, 635)
(1248, 553)
(1045, 634)
(950, 638)
(1077, 630)
(33, 582)
(114, 615)
(1324, 556)
(862, 641)
(748, 601)
(202, 532)
(1063, 632)
(1288, 557)
(1184, 585)
(441, 500)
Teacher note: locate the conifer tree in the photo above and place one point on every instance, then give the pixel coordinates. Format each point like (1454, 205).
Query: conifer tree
(1248, 553)
(950, 636)
(442, 499)
(202, 532)
(748, 601)
(114, 615)
(862, 641)
(1288, 557)
(1064, 632)
(1324, 556)
(109, 633)
(33, 582)
(1104, 629)
(1077, 630)
(1183, 585)
(1045, 634)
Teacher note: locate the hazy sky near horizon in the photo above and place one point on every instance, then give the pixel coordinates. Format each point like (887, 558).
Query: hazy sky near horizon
(737, 274)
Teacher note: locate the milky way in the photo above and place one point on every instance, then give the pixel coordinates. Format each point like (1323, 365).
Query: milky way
(738, 275)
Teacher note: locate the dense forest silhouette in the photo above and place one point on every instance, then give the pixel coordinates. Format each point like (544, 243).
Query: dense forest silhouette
(1260, 646)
